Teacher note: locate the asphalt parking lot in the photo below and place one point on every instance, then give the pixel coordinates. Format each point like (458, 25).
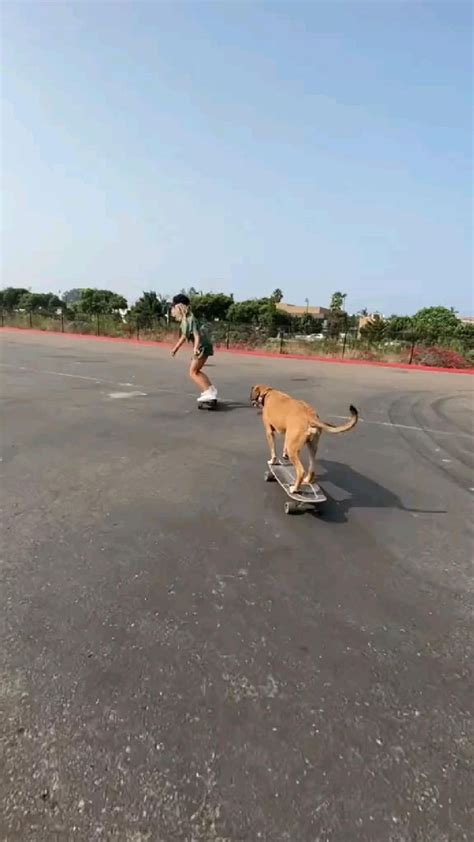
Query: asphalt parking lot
(180, 661)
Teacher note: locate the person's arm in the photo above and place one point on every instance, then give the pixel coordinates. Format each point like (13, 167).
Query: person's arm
(197, 341)
(179, 344)
(194, 331)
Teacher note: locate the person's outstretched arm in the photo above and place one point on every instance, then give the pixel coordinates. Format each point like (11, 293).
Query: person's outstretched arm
(179, 344)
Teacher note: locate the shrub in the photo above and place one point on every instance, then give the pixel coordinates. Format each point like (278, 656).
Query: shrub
(440, 357)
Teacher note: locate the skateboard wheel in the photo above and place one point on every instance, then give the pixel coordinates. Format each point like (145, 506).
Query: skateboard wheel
(290, 508)
(268, 476)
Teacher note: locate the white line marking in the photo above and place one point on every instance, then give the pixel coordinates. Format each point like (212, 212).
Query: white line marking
(127, 394)
(407, 427)
(56, 373)
(389, 424)
(96, 380)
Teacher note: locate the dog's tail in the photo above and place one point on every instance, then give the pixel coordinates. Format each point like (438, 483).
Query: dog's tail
(317, 424)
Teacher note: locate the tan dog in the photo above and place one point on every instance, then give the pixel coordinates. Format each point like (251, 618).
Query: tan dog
(300, 425)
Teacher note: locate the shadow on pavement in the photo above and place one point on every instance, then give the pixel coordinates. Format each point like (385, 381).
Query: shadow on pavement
(229, 406)
(364, 493)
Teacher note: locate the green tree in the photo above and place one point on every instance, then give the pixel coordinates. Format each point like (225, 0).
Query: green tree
(400, 327)
(277, 295)
(11, 297)
(273, 319)
(40, 302)
(465, 334)
(306, 324)
(336, 321)
(337, 301)
(212, 306)
(72, 296)
(259, 311)
(103, 301)
(374, 330)
(247, 312)
(148, 308)
(335, 324)
(435, 323)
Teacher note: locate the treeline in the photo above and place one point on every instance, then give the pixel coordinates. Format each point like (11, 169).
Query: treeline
(429, 325)
(151, 307)
(219, 307)
(85, 301)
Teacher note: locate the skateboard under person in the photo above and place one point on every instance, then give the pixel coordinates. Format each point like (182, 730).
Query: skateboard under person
(191, 331)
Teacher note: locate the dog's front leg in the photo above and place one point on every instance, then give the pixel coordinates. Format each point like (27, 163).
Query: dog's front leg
(270, 434)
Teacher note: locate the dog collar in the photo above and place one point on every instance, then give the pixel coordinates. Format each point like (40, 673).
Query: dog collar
(262, 398)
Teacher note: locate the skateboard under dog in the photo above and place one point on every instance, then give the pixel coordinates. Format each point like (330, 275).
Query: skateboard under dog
(307, 498)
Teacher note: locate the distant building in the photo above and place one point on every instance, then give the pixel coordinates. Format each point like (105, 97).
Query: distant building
(295, 310)
(467, 320)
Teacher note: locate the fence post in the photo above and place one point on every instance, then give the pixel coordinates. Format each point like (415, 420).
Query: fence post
(344, 345)
(280, 336)
(2, 316)
(62, 322)
(31, 319)
(412, 351)
(227, 338)
(98, 325)
(138, 328)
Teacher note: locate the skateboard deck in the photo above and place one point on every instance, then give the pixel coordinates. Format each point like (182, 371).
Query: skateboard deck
(308, 495)
(207, 404)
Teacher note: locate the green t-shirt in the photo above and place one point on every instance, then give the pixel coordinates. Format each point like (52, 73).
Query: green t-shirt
(190, 326)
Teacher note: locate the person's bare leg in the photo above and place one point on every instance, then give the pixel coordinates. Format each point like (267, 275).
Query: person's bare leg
(197, 376)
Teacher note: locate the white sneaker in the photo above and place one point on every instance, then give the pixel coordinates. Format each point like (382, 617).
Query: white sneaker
(214, 391)
(208, 395)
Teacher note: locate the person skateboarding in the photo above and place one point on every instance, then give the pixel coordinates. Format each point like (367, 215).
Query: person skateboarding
(191, 331)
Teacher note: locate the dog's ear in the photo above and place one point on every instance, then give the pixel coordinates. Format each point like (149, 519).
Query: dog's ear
(257, 394)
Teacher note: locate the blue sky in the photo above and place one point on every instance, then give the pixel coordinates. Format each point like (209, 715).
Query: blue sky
(240, 147)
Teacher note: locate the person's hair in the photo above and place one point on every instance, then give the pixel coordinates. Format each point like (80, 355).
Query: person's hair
(180, 311)
(180, 298)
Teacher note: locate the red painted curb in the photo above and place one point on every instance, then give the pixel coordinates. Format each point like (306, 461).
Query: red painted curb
(242, 352)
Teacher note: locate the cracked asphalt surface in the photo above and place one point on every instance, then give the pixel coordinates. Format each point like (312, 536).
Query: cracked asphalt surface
(180, 661)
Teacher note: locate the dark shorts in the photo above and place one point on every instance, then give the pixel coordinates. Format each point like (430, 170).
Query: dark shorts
(205, 351)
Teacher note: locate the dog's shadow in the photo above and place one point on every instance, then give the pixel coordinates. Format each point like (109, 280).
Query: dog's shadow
(363, 493)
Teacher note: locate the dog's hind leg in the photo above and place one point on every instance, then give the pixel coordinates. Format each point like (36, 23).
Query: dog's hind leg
(294, 456)
(312, 445)
(270, 434)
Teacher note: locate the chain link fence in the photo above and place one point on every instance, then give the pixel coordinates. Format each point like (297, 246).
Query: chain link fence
(444, 351)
